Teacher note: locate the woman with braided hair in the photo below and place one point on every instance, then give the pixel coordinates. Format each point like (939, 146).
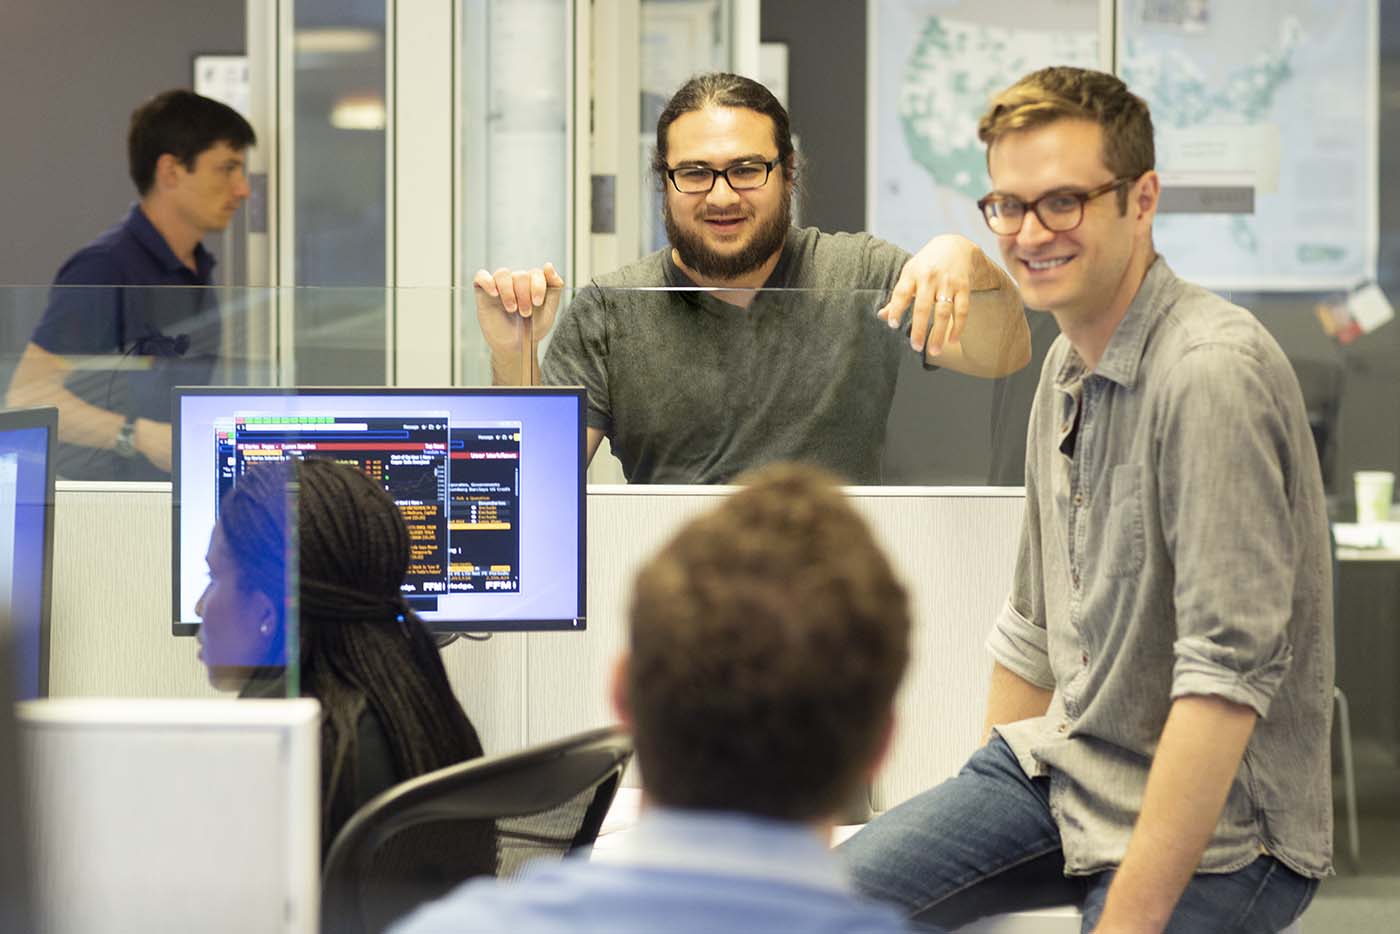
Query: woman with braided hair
(388, 712)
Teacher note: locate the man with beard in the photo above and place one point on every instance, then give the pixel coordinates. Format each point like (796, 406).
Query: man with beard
(692, 374)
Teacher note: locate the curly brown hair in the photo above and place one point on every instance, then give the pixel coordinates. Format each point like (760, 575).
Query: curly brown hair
(1062, 92)
(768, 639)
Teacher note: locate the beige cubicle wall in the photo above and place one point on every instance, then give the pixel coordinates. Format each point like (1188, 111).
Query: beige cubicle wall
(954, 547)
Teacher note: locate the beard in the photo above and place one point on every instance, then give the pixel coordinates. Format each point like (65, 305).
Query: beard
(766, 240)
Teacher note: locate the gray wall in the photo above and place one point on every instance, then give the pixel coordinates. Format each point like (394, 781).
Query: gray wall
(72, 71)
(826, 100)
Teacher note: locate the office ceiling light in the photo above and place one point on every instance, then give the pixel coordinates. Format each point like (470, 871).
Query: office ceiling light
(336, 40)
(358, 112)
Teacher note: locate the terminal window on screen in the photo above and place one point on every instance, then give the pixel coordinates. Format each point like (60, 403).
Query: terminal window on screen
(457, 486)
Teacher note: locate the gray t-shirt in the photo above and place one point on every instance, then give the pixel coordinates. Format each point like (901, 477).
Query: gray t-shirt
(691, 389)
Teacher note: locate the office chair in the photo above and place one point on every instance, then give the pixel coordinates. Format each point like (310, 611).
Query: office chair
(490, 816)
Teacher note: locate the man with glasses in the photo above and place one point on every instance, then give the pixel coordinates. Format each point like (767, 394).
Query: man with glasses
(695, 386)
(1158, 721)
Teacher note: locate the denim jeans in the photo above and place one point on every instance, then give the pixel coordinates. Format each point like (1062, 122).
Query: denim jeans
(984, 842)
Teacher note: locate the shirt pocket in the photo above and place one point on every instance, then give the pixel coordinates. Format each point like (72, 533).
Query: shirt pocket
(1124, 538)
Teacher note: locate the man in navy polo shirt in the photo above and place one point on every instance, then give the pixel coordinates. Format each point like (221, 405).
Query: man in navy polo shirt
(130, 316)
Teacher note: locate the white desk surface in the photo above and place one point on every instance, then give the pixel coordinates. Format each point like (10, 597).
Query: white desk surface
(1373, 541)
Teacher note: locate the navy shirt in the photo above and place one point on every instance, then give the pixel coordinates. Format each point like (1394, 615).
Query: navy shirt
(156, 319)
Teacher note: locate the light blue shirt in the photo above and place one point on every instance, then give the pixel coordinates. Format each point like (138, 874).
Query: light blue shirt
(676, 871)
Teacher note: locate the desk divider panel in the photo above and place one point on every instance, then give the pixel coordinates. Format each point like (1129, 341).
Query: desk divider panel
(110, 622)
(112, 610)
(953, 547)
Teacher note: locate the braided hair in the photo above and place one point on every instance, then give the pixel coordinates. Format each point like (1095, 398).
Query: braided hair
(363, 650)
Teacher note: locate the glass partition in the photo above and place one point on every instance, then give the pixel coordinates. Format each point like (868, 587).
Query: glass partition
(811, 374)
(515, 149)
(247, 592)
(695, 385)
(678, 39)
(339, 191)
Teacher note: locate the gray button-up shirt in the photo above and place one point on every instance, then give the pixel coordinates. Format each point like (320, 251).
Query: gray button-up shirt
(1175, 543)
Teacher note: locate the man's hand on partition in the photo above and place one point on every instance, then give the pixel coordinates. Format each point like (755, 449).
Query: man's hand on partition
(506, 296)
(938, 280)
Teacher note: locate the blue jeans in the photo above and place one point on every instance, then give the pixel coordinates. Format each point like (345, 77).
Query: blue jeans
(984, 842)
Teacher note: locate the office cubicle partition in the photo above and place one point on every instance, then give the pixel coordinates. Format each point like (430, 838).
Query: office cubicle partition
(954, 547)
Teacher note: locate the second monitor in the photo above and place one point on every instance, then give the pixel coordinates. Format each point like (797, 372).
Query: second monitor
(489, 481)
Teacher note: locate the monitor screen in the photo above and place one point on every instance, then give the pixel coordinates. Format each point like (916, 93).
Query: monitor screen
(26, 540)
(490, 482)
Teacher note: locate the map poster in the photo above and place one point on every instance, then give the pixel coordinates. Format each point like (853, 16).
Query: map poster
(1273, 98)
(933, 67)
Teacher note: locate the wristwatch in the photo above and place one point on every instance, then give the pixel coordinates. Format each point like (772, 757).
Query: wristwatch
(126, 439)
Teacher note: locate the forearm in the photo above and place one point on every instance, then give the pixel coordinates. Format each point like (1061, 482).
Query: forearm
(38, 380)
(987, 276)
(505, 371)
(515, 369)
(1198, 757)
(996, 341)
(1012, 698)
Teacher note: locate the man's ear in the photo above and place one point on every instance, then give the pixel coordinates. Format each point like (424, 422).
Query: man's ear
(790, 171)
(617, 689)
(1147, 194)
(168, 169)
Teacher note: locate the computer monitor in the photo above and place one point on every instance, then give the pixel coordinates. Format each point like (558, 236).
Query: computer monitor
(174, 815)
(490, 481)
(26, 540)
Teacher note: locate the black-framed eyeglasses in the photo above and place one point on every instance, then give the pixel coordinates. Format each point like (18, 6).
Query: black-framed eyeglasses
(700, 179)
(1058, 211)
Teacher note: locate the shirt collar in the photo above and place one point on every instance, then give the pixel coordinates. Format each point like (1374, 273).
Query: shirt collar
(731, 843)
(1122, 358)
(150, 238)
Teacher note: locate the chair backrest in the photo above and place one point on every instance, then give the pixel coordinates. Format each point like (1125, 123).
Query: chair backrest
(490, 816)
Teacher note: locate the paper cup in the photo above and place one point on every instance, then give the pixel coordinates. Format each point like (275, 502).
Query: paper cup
(1373, 492)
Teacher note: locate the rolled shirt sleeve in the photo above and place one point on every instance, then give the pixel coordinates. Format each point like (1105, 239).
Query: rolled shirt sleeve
(1227, 485)
(1019, 640)
(1021, 647)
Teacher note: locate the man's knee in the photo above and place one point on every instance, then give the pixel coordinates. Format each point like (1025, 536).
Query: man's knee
(987, 820)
